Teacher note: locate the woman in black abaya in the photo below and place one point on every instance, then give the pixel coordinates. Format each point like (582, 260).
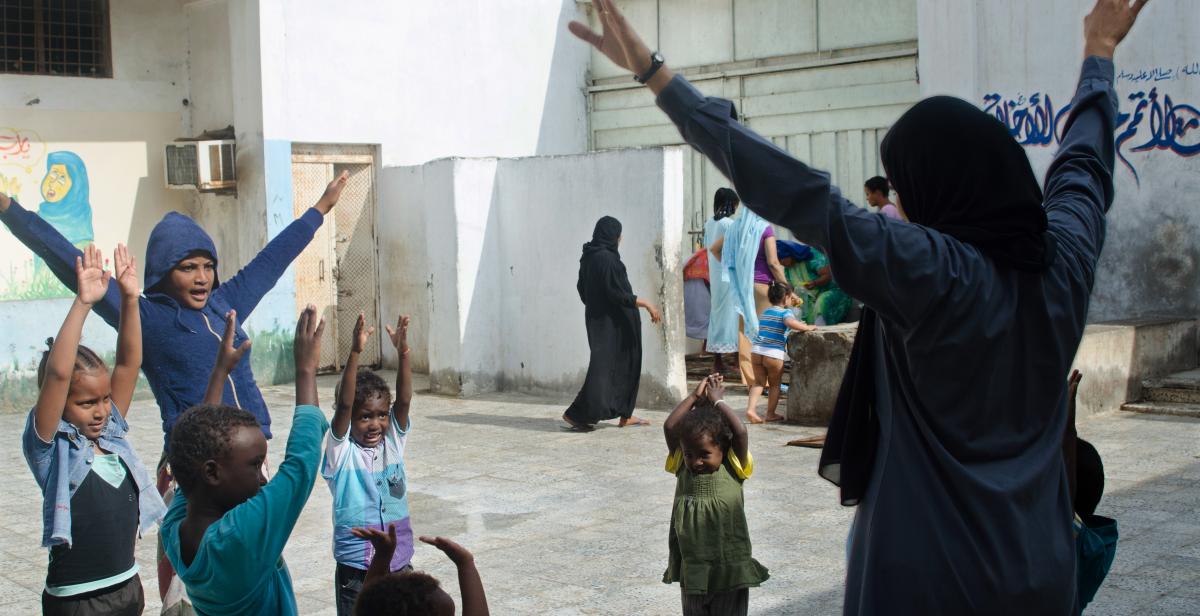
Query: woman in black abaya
(614, 332)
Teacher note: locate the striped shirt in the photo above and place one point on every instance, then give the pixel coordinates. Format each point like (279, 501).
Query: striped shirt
(772, 332)
(369, 489)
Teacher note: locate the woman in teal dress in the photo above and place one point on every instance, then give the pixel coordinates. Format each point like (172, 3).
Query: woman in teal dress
(808, 272)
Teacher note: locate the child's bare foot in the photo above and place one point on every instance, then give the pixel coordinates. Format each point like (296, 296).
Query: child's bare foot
(632, 421)
(753, 417)
(773, 417)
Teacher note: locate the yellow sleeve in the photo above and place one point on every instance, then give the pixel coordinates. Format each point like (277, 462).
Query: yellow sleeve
(674, 460)
(743, 471)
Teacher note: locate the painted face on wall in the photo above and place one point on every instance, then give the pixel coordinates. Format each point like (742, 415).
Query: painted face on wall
(56, 184)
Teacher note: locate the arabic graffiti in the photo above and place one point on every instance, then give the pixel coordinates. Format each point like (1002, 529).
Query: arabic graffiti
(1160, 73)
(21, 148)
(1156, 123)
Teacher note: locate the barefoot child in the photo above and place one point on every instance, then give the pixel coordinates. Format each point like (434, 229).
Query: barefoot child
(770, 350)
(414, 593)
(98, 495)
(709, 540)
(225, 530)
(364, 464)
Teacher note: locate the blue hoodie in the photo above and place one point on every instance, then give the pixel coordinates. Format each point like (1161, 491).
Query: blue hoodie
(179, 345)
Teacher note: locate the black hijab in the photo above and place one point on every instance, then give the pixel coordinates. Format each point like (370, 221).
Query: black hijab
(957, 170)
(606, 236)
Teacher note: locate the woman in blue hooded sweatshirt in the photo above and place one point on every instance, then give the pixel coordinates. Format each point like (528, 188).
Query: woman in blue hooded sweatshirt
(184, 304)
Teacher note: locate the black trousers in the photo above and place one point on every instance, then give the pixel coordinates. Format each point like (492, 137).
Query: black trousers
(124, 599)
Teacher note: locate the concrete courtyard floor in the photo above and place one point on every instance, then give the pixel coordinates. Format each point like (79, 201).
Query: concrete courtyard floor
(567, 523)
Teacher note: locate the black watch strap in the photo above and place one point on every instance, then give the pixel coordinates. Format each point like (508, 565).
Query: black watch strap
(656, 62)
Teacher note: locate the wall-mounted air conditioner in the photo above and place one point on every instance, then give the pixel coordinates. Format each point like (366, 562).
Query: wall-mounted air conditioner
(205, 165)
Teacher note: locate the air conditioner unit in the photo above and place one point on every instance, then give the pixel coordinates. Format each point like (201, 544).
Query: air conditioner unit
(206, 165)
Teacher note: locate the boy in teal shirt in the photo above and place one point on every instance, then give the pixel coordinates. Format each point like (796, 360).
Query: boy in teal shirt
(226, 528)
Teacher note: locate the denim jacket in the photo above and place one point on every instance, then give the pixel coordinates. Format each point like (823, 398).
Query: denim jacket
(60, 466)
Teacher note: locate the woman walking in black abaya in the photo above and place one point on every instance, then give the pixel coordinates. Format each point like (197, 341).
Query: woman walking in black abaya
(614, 331)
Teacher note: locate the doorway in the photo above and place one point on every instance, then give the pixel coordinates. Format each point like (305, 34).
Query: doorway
(338, 271)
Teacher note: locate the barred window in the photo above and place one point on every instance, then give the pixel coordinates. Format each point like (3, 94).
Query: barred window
(55, 37)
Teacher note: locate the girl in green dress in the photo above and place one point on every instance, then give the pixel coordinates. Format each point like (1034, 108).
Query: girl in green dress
(709, 539)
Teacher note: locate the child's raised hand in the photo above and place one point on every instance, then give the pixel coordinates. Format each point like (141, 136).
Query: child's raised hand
(399, 334)
(715, 390)
(309, 329)
(332, 193)
(362, 334)
(701, 387)
(91, 276)
(384, 542)
(228, 356)
(126, 272)
(1073, 384)
(455, 552)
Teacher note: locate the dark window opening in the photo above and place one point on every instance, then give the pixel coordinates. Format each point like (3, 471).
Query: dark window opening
(55, 37)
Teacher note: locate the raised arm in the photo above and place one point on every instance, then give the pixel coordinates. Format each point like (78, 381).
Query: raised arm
(344, 405)
(228, 357)
(741, 438)
(404, 390)
(672, 422)
(899, 270)
(246, 288)
(307, 347)
(129, 333)
(92, 284)
(1079, 183)
(384, 543)
(59, 255)
(470, 585)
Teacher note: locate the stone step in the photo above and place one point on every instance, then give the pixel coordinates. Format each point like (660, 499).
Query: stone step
(1171, 394)
(1187, 380)
(1177, 409)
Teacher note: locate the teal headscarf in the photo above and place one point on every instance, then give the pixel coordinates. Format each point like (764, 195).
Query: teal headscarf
(72, 215)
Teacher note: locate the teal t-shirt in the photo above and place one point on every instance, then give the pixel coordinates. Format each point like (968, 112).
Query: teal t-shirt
(238, 567)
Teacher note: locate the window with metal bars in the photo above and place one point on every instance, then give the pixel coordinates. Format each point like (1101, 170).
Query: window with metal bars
(55, 37)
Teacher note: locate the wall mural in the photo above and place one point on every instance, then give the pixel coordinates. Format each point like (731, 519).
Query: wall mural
(65, 203)
(1157, 121)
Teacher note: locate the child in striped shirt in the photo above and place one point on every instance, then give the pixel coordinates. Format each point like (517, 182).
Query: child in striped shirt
(769, 350)
(364, 464)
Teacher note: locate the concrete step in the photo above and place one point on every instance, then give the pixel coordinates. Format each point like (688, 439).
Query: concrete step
(1177, 409)
(1181, 387)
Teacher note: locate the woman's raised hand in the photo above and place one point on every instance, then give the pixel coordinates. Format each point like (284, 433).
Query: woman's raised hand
(618, 40)
(5, 201)
(1108, 23)
(91, 276)
(332, 193)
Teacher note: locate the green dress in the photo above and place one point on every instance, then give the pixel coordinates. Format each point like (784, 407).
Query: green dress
(829, 301)
(709, 539)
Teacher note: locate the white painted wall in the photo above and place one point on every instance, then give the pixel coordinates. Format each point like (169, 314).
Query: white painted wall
(1151, 260)
(495, 302)
(426, 79)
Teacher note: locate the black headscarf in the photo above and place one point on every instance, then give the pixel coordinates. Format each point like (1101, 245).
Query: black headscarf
(606, 236)
(957, 170)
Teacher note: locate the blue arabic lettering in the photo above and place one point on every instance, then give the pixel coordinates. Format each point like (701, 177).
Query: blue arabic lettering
(1164, 124)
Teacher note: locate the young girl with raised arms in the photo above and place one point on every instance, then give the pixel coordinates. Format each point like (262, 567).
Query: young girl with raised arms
(98, 495)
(709, 540)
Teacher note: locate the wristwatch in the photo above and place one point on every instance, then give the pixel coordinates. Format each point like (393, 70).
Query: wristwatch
(656, 62)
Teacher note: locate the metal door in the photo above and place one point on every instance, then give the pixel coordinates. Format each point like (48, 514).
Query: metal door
(354, 249)
(314, 267)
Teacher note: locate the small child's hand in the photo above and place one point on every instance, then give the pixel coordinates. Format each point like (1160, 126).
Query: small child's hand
(455, 552)
(362, 334)
(91, 276)
(309, 329)
(399, 334)
(715, 391)
(701, 387)
(228, 356)
(126, 272)
(383, 542)
(1073, 384)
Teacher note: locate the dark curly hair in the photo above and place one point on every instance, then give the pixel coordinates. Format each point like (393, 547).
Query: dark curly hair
(705, 419)
(367, 385)
(398, 594)
(201, 434)
(85, 359)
